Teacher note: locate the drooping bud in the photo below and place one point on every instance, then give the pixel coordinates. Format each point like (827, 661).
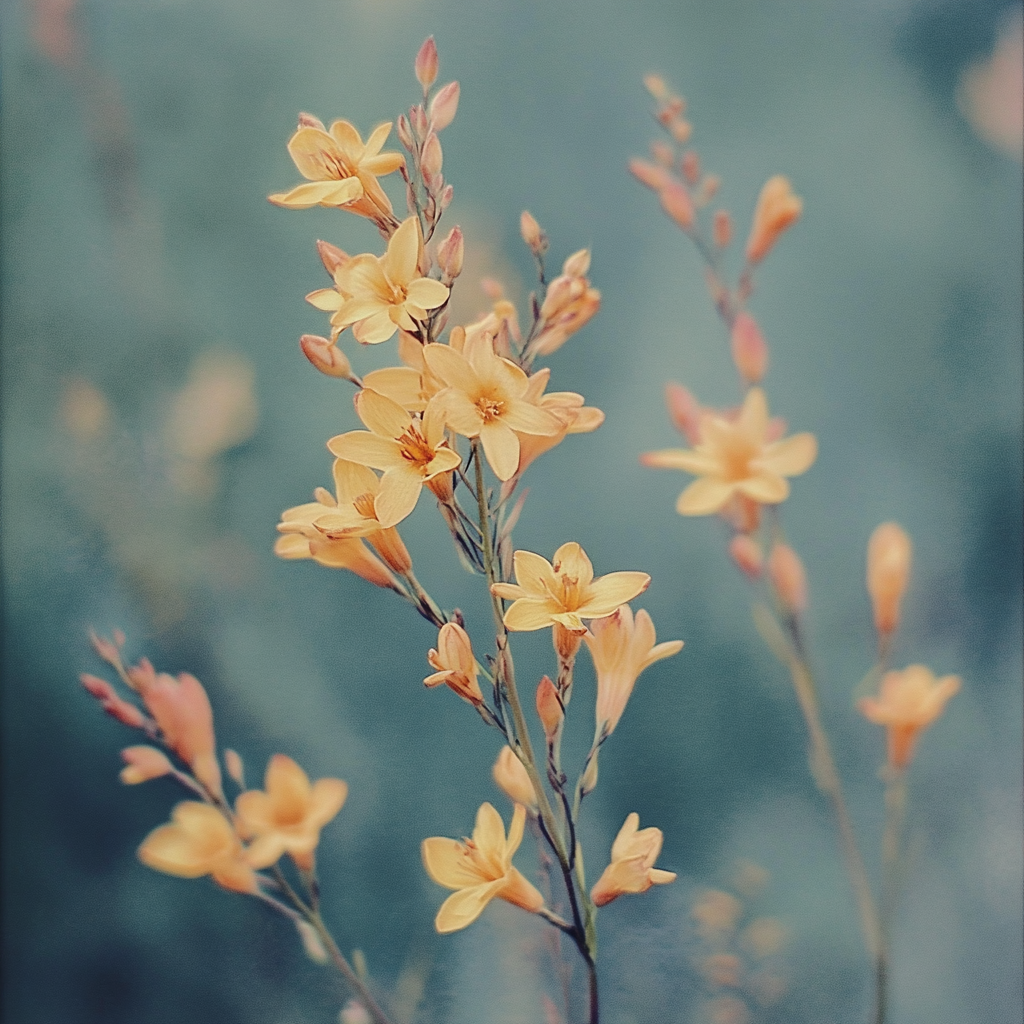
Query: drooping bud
(450, 255)
(325, 356)
(749, 350)
(426, 63)
(889, 555)
(788, 578)
(532, 233)
(777, 209)
(513, 779)
(331, 256)
(746, 553)
(651, 175)
(443, 106)
(677, 203)
(143, 763)
(549, 708)
(722, 228)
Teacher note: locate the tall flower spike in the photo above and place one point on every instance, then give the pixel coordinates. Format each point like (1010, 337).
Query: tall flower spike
(632, 867)
(341, 170)
(479, 869)
(622, 647)
(288, 816)
(455, 664)
(199, 841)
(564, 592)
(736, 457)
(908, 702)
(387, 293)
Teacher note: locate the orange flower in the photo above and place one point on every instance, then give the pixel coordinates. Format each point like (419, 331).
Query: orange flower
(889, 552)
(288, 817)
(513, 779)
(410, 451)
(199, 841)
(564, 592)
(479, 869)
(622, 647)
(381, 294)
(455, 664)
(632, 868)
(342, 171)
(568, 304)
(777, 209)
(908, 702)
(486, 397)
(736, 457)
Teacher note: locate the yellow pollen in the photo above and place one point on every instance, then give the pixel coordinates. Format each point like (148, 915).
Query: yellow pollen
(490, 408)
(415, 448)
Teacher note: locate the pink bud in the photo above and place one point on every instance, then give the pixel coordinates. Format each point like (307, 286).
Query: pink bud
(651, 175)
(325, 356)
(749, 350)
(143, 763)
(788, 578)
(531, 231)
(331, 256)
(676, 202)
(445, 199)
(404, 132)
(722, 228)
(549, 707)
(443, 106)
(426, 63)
(691, 167)
(656, 86)
(684, 410)
(432, 159)
(105, 648)
(418, 120)
(746, 553)
(681, 130)
(450, 255)
(889, 557)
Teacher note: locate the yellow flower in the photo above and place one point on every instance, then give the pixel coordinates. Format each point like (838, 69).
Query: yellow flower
(479, 869)
(736, 458)
(381, 294)
(908, 701)
(622, 647)
(199, 841)
(410, 451)
(632, 868)
(486, 397)
(564, 592)
(288, 817)
(341, 170)
(777, 209)
(455, 664)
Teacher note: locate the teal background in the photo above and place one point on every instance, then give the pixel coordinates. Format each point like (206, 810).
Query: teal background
(137, 236)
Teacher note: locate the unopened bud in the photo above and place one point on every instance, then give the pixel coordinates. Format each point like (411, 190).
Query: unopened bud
(746, 553)
(749, 350)
(233, 763)
(532, 233)
(691, 167)
(309, 121)
(777, 209)
(432, 158)
(325, 356)
(651, 175)
(788, 578)
(577, 264)
(391, 548)
(589, 781)
(445, 199)
(443, 106)
(549, 708)
(354, 1012)
(513, 779)
(404, 131)
(418, 120)
(142, 764)
(889, 556)
(680, 130)
(662, 153)
(684, 410)
(708, 189)
(450, 255)
(566, 641)
(426, 63)
(676, 202)
(722, 228)
(655, 85)
(331, 256)
(311, 942)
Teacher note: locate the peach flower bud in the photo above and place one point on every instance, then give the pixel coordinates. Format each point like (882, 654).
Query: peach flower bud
(450, 255)
(589, 781)
(426, 63)
(663, 153)
(325, 356)
(680, 130)
(432, 158)
(404, 131)
(354, 1012)
(105, 648)
(691, 167)
(455, 664)
(549, 708)
(443, 106)
(788, 578)
(143, 763)
(445, 199)
(889, 554)
(331, 256)
(655, 85)
(513, 779)
(676, 202)
(532, 233)
(708, 189)
(566, 641)
(746, 553)
(777, 209)
(749, 350)
(684, 410)
(577, 264)
(124, 711)
(418, 120)
(722, 228)
(233, 763)
(651, 175)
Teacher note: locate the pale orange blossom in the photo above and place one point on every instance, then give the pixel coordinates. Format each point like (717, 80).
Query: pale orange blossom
(565, 591)
(479, 869)
(777, 209)
(889, 556)
(736, 457)
(456, 667)
(632, 867)
(513, 779)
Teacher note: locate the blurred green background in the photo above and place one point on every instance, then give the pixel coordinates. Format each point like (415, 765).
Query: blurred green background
(158, 416)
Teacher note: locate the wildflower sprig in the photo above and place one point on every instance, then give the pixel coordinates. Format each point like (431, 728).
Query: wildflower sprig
(741, 460)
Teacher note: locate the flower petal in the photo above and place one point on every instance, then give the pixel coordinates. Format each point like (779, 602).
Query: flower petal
(501, 446)
(383, 416)
(534, 573)
(688, 461)
(426, 293)
(791, 456)
(351, 479)
(399, 262)
(607, 593)
(399, 491)
(315, 193)
(367, 449)
(531, 613)
(703, 497)
(448, 864)
(462, 908)
(766, 488)
(375, 329)
(452, 367)
(399, 383)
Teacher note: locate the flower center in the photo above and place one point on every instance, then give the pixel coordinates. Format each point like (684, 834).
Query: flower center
(364, 506)
(415, 448)
(336, 167)
(490, 408)
(736, 455)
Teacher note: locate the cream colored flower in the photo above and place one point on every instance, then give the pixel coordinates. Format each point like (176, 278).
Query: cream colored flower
(485, 397)
(736, 457)
(410, 451)
(632, 867)
(564, 592)
(622, 647)
(341, 170)
(479, 870)
(288, 816)
(199, 841)
(908, 701)
(381, 294)
(456, 667)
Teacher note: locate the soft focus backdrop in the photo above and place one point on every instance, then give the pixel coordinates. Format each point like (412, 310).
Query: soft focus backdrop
(158, 416)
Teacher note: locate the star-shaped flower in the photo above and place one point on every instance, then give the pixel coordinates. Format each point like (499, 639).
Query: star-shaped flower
(632, 868)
